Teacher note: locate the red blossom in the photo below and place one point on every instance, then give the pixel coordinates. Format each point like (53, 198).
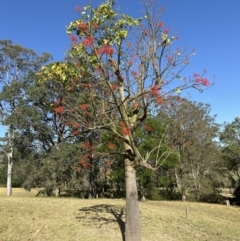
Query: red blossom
(75, 125)
(75, 133)
(84, 163)
(85, 85)
(155, 90)
(205, 82)
(166, 31)
(59, 109)
(124, 128)
(148, 128)
(95, 26)
(135, 74)
(160, 24)
(201, 80)
(106, 49)
(120, 77)
(86, 145)
(135, 105)
(88, 41)
(145, 32)
(83, 106)
(78, 9)
(73, 38)
(88, 156)
(196, 75)
(159, 100)
(162, 9)
(111, 146)
(83, 27)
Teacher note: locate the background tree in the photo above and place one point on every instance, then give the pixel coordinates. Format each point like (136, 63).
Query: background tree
(16, 65)
(52, 137)
(230, 139)
(119, 70)
(193, 132)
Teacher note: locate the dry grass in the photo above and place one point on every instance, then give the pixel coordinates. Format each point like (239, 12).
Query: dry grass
(26, 217)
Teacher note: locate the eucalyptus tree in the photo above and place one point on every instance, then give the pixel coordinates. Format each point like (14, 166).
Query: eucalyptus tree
(193, 132)
(17, 64)
(230, 139)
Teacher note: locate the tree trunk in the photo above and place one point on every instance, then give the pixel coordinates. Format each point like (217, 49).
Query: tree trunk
(132, 224)
(9, 175)
(178, 181)
(10, 161)
(57, 192)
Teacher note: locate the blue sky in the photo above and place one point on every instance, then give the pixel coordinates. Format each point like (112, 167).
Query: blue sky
(209, 26)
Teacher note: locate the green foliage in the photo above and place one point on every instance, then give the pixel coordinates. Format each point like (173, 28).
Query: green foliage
(164, 181)
(57, 169)
(153, 133)
(191, 131)
(3, 172)
(230, 138)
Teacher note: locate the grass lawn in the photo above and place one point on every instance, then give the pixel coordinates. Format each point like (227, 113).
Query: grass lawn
(26, 217)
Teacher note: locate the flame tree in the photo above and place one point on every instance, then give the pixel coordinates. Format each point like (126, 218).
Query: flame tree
(119, 71)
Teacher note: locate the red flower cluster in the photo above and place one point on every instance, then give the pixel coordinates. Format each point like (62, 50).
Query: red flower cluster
(84, 163)
(145, 32)
(95, 26)
(201, 80)
(78, 9)
(159, 100)
(106, 49)
(160, 24)
(135, 105)
(155, 90)
(83, 27)
(73, 38)
(87, 145)
(74, 125)
(88, 41)
(59, 109)
(75, 133)
(124, 128)
(111, 146)
(166, 31)
(162, 9)
(83, 106)
(135, 74)
(147, 127)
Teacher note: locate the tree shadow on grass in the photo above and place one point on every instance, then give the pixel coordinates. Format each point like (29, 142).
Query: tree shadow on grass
(104, 214)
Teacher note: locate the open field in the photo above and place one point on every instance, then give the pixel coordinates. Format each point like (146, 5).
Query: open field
(26, 217)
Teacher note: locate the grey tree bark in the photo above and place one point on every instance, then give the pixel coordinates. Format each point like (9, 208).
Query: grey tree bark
(132, 224)
(10, 161)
